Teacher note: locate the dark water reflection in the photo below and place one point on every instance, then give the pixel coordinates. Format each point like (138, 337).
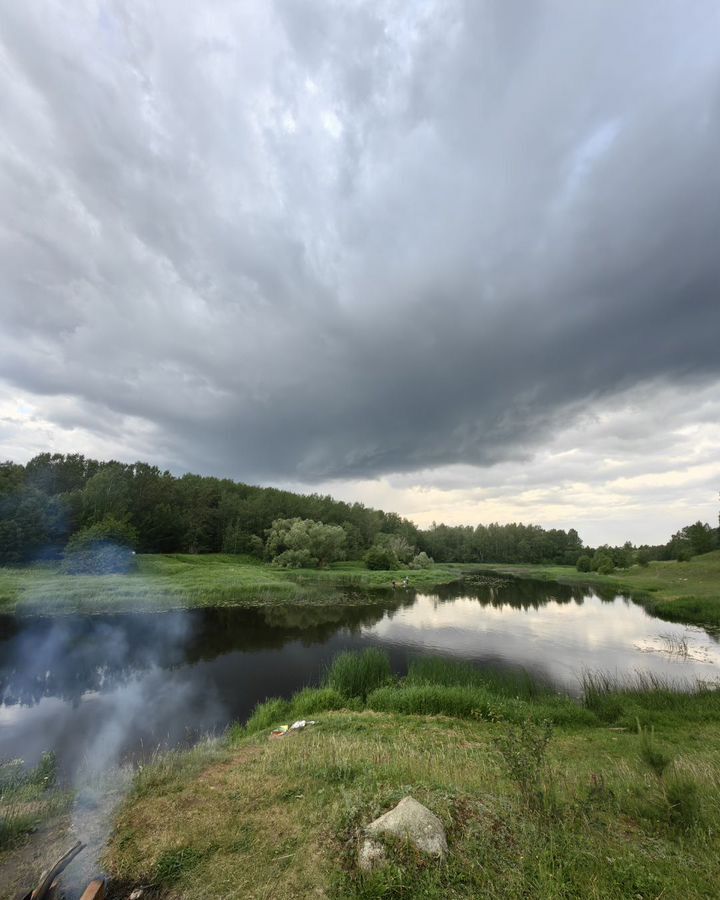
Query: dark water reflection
(98, 689)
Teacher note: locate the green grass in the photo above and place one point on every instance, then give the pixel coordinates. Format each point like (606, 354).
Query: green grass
(676, 591)
(572, 810)
(174, 581)
(357, 674)
(27, 798)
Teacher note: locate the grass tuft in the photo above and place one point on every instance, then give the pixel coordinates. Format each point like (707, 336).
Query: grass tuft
(357, 674)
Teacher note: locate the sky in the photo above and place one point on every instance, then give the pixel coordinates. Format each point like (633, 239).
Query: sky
(460, 260)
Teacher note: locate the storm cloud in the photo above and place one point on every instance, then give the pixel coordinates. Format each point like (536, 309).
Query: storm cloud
(306, 241)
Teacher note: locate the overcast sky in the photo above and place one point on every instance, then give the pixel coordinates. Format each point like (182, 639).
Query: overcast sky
(460, 260)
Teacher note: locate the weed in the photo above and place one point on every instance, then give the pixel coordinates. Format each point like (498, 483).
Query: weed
(656, 758)
(523, 750)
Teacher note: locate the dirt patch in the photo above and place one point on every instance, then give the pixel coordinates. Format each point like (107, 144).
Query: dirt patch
(22, 865)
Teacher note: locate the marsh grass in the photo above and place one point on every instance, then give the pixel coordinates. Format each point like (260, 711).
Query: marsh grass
(357, 674)
(675, 646)
(518, 683)
(649, 699)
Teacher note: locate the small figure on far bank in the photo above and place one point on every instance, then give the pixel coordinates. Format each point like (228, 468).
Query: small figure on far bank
(393, 584)
(405, 581)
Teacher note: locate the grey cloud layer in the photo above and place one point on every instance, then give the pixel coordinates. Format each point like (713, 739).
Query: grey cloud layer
(312, 240)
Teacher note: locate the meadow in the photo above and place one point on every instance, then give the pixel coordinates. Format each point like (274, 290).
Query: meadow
(173, 581)
(616, 795)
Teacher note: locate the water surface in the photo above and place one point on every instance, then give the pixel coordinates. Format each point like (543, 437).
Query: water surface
(100, 689)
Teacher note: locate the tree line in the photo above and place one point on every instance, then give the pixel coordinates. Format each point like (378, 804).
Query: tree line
(56, 500)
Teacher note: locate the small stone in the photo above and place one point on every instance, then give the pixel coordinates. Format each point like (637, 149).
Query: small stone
(414, 822)
(371, 855)
(136, 894)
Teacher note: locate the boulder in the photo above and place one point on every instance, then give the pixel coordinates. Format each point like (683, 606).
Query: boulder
(410, 821)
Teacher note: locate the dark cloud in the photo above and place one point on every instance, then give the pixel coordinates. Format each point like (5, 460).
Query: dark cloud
(309, 241)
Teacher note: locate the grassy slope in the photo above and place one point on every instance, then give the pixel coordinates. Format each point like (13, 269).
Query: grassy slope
(182, 580)
(282, 819)
(678, 591)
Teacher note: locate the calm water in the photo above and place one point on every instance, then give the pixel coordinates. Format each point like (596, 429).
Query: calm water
(104, 688)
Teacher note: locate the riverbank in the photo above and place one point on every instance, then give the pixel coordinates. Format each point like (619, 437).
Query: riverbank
(185, 581)
(686, 592)
(619, 798)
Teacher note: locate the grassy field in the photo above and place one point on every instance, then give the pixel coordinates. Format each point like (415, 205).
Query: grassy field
(619, 798)
(676, 591)
(184, 581)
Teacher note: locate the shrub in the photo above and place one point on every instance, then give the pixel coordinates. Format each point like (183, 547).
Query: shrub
(421, 561)
(379, 557)
(584, 563)
(101, 549)
(304, 542)
(523, 750)
(296, 559)
(357, 674)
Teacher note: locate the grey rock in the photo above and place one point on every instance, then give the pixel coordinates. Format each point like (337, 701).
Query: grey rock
(371, 856)
(410, 821)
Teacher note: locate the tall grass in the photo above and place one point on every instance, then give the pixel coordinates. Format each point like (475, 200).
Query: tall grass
(646, 696)
(517, 683)
(357, 674)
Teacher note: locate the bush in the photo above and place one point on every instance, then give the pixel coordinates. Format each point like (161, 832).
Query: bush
(421, 561)
(296, 559)
(357, 674)
(584, 563)
(379, 557)
(107, 547)
(304, 542)
(602, 562)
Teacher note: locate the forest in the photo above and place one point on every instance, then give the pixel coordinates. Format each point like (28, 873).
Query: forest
(59, 498)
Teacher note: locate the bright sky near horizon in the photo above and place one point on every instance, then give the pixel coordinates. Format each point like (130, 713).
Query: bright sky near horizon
(456, 259)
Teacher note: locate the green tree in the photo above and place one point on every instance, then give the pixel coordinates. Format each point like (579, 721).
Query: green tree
(32, 524)
(304, 542)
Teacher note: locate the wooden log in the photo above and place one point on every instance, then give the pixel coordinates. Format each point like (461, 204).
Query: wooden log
(95, 890)
(47, 877)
